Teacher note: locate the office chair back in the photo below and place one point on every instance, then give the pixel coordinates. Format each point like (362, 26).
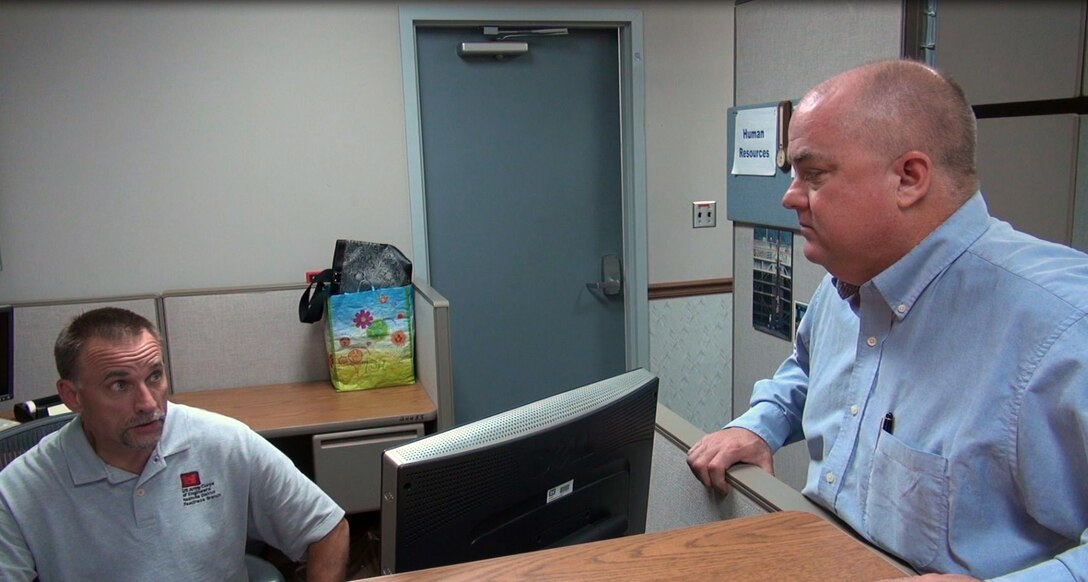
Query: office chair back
(20, 439)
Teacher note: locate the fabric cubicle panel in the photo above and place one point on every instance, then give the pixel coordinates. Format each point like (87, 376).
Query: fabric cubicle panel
(226, 338)
(677, 498)
(36, 328)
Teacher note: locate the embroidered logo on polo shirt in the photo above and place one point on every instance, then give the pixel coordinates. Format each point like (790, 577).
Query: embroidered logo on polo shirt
(194, 491)
(190, 479)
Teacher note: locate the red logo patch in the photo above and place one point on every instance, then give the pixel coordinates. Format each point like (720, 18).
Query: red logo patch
(191, 479)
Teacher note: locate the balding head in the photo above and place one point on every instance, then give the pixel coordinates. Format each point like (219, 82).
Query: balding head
(898, 106)
(883, 155)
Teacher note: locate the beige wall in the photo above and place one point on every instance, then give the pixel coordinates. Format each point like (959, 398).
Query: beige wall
(146, 147)
(689, 88)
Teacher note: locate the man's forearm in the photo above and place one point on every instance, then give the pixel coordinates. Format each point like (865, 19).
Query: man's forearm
(327, 558)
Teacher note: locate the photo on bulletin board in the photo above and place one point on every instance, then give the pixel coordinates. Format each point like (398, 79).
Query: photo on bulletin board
(799, 310)
(772, 282)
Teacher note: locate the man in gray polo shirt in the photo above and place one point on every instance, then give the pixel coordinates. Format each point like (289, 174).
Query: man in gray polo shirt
(136, 488)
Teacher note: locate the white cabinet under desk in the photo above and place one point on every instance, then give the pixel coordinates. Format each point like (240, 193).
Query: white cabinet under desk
(348, 464)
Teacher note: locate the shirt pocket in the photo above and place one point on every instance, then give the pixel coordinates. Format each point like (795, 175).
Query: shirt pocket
(906, 509)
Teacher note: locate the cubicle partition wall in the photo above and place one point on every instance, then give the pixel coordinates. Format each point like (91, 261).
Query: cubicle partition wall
(232, 338)
(223, 338)
(36, 328)
(226, 338)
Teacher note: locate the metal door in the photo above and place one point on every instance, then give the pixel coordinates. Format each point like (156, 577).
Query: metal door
(523, 195)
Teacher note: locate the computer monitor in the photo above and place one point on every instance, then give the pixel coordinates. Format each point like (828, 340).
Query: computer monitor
(567, 469)
(7, 352)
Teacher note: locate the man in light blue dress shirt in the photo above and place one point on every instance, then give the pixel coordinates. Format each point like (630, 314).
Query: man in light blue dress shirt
(940, 375)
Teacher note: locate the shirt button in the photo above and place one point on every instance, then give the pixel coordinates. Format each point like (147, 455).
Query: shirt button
(871, 341)
(140, 492)
(854, 410)
(830, 477)
(901, 309)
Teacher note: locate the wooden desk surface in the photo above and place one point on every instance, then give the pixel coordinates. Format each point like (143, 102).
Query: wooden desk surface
(778, 546)
(313, 407)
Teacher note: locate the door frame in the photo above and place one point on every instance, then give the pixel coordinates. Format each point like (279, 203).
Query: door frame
(632, 137)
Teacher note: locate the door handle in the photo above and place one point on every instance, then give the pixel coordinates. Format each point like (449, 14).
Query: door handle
(611, 282)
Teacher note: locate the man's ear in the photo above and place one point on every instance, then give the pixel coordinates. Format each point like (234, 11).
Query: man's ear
(915, 171)
(69, 395)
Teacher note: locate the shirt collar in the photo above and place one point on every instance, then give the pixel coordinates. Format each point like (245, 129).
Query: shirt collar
(901, 284)
(85, 466)
(845, 290)
(176, 433)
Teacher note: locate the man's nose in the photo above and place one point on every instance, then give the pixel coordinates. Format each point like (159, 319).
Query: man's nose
(145, 398)
(795, 197)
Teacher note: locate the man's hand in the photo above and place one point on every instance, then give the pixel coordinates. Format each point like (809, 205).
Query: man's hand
(718, 451)
(327, 558)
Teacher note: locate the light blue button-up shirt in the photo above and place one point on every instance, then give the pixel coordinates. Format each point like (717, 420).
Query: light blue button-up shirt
(976, 342)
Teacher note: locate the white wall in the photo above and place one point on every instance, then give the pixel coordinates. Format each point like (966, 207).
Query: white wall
(148, 147)
(689, 88)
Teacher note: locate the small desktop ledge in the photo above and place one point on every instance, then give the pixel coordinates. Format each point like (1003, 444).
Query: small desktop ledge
(306, 408)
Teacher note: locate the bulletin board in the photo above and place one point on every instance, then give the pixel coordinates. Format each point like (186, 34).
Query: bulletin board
(755, 199)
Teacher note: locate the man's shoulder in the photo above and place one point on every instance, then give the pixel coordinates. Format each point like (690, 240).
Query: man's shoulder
(198, 418)
(195, 426)
(1046, 267)
(38, 466)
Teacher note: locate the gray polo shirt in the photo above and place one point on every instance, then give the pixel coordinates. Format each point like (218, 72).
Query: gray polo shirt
(209, 484)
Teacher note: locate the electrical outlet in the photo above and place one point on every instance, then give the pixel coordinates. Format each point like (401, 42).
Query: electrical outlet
(704, 214)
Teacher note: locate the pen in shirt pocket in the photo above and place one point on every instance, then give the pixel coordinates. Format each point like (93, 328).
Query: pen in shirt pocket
(888, 424)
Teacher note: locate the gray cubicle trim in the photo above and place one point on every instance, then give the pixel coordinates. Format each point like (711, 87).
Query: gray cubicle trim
(434, 364)
(37, 325)
(753, 483)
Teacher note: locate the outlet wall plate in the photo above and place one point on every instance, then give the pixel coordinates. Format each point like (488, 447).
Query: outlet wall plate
(704, 214)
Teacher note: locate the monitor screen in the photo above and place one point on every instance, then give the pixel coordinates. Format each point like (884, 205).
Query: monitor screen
(7, 352)
(567, 469)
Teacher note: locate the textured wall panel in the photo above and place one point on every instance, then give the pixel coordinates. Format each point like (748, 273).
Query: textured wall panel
(691, 351)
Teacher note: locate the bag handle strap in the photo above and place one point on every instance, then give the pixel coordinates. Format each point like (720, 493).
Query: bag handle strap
(337, 265)
(312, 307)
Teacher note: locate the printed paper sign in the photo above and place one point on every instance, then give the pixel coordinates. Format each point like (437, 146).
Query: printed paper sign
(754, 142)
